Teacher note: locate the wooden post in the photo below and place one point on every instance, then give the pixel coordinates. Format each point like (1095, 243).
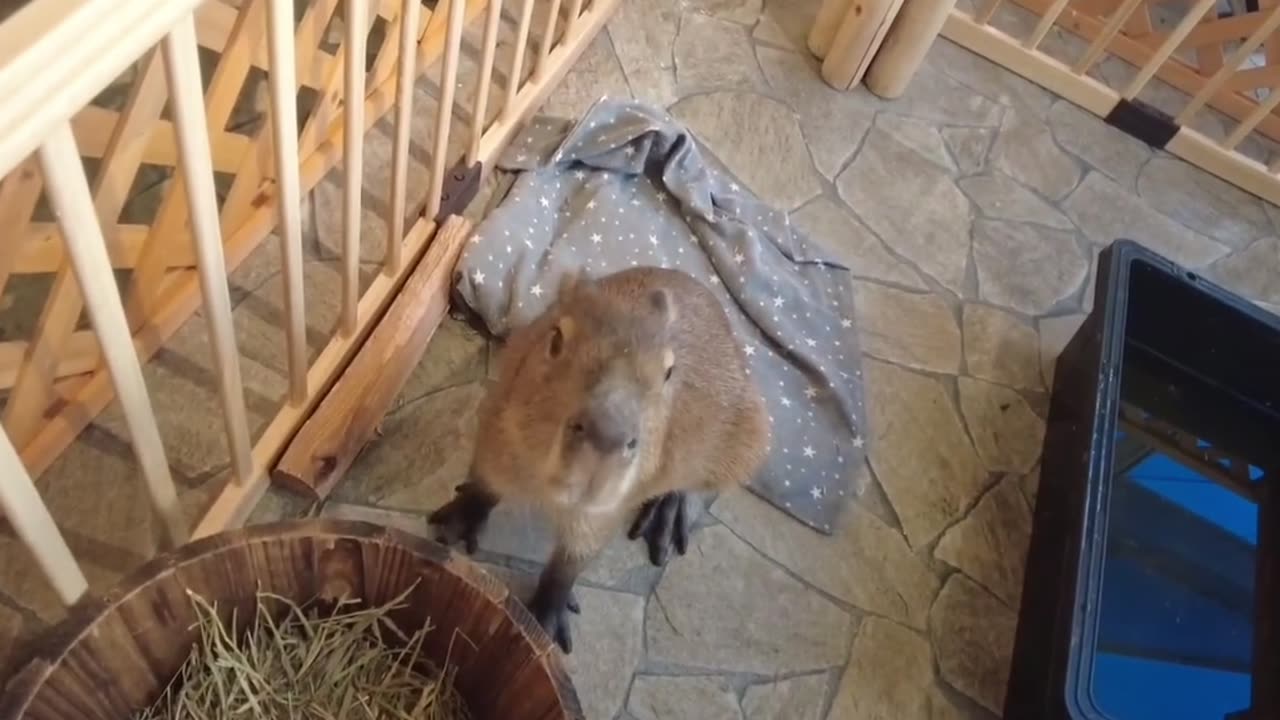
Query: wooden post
(904, 48)
(284, 143)
(1099, 45)
(1168, 47)
(35, 527)
(548, 38)
(1045, 25)
(328, 443)
(444, 108)
(480, 108)
(407, 73)
(353, 63)
(823, 32)
(515, 77)
(182, 68)
(73, 206)
(861, 32)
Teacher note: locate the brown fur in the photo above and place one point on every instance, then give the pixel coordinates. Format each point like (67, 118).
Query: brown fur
(704, 429)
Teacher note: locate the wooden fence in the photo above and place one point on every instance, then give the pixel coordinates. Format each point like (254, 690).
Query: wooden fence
(1219, 76)
(230, 188)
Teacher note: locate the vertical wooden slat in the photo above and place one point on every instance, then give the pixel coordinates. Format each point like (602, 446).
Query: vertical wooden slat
(284, 126)
(147, 284)
(448, 81)
(386, 61)
(182, 68)
(481, 105)
(1045, 25)
(575, 12)
(69, 195)
(34, 526)
(986, 11)
(1168, 47)
(255, 168)
(1232, 66)
(353, 60)
(515, 77)
(1139, 23)
(1109, 31)
(407, 61)
(327, 111)
(548, 38)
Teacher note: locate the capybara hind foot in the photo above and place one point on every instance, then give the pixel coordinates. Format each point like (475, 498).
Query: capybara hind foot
(555, 620)
(553, 601)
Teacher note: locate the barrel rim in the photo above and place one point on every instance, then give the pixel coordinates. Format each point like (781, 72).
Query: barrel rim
(58, 641)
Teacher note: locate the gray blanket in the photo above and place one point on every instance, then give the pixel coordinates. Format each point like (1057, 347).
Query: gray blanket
(626, 186)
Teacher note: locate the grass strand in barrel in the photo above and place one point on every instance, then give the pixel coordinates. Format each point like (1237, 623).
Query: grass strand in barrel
(308, 665)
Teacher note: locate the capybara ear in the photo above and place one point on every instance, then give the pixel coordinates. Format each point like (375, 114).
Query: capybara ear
(561, 333)
(663, 304)
(570, 282)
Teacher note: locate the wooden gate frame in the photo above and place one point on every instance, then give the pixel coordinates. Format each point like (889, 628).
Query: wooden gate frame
(1154, 57)
(57, 55)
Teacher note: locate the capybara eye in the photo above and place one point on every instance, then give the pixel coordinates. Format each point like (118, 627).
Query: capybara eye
(576, 428)
(557, 343)
(669, 371)
(631, 444)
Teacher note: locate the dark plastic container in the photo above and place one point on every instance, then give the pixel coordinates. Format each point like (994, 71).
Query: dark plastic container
(1153, 580)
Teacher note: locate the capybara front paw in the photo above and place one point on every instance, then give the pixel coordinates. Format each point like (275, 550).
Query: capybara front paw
(664, 523)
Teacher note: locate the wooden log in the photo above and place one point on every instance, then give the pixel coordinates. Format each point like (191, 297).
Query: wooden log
(861, 32)
(909, 39)
(823, 32)
(325, 447)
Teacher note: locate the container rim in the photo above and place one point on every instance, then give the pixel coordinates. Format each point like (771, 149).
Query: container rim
(82, 616)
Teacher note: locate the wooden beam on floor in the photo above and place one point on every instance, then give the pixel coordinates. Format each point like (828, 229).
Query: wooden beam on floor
(347, 418)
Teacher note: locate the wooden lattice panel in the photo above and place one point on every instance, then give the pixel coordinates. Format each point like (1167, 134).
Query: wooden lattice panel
(50, 368)
(1204, 51)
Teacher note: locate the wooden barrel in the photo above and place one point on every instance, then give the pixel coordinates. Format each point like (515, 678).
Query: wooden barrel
(114, 655)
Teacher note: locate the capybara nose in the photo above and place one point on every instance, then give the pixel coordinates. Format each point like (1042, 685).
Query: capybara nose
(607, 432)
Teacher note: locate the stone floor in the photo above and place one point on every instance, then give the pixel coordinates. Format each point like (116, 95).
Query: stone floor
(971, 211)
